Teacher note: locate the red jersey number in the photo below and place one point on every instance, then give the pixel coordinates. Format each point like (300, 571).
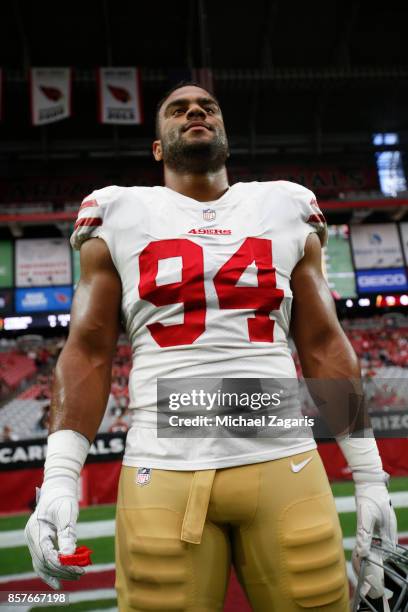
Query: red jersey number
(263, 298)
(190, 290)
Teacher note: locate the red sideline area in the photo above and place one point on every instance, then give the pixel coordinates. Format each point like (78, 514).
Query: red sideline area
(100, 479)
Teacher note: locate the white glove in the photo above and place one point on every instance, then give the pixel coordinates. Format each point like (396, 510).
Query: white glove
(52, 526)
(375, 518)
(375, 514)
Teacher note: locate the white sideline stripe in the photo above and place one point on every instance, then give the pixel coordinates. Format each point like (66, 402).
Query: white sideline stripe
(100, 529)
(98, 567)
(348, 504)
(91, 529)
(348, 544)
(95, 594)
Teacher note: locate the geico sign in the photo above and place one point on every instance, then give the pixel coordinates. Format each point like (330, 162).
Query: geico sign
(382, 280)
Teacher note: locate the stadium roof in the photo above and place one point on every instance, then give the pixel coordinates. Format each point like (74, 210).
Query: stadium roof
(293, 77)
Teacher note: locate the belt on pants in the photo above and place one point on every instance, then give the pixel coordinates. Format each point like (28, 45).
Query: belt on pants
(197, 506)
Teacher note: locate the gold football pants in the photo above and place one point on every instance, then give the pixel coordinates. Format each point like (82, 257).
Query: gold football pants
(276, 521)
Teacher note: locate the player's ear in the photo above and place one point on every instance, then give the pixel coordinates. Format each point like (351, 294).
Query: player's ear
(157, 150)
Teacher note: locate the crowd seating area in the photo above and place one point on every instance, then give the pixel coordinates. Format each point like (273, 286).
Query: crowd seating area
(26, 368)
(21, 419)
(381, 344)
(15, 368)
(381, 347)
(26, 415)
(378, 342)
(41, 389)
(22, 361)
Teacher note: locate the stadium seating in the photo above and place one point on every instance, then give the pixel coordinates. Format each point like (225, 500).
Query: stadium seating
(380, 343)
(21, 418)
(15, 368)
(35, 391)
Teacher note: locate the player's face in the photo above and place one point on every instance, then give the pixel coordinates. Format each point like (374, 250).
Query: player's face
(192, 132)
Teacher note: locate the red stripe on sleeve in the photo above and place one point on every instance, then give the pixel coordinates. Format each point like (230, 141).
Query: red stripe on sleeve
(88, 204)
(88, 222)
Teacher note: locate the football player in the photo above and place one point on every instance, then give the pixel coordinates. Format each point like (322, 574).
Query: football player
(208, 279)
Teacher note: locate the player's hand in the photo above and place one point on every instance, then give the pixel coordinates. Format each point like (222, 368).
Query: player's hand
(375, 518)
(52, 529)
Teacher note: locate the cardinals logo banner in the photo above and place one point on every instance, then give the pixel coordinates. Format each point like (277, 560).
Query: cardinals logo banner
(119, 96)
(50, 90)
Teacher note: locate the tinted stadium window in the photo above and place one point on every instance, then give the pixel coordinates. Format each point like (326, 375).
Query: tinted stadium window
(389, 165)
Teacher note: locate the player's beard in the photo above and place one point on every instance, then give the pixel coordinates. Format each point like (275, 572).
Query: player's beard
(195, 157)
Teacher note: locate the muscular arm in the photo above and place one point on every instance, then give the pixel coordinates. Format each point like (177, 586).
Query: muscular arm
(83, 372)
(333, 376)
(324, 350)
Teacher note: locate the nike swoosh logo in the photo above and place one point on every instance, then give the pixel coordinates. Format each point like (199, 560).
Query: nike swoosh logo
(296, 467)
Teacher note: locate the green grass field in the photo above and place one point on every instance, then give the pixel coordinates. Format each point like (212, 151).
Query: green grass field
(338, 263)
(17, 560)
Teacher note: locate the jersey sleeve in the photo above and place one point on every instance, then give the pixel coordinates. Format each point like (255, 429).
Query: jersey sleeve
(91, 219)
(313, 217)
(306, 217)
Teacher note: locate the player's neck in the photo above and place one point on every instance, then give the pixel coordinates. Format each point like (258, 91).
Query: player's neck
(201, 187)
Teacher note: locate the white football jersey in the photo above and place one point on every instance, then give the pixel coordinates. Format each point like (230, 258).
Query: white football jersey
(205, 294)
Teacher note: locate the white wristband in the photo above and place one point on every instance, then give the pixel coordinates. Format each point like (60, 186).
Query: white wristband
(363, 458)
(66, 454)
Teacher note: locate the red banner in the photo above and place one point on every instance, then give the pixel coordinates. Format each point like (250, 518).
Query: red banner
(393, 451)
(100, 480)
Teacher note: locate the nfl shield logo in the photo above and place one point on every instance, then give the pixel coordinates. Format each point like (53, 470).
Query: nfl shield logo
(144, 476)
(208, 214)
